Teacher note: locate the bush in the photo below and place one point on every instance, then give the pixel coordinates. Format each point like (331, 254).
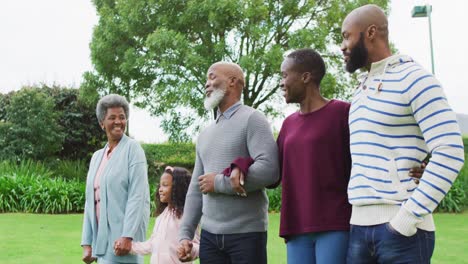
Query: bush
(77, 118)
(161, 155)
(30, 127)
(27, 168)
(4, 102)
(274, 196)
(45, 122)
(50, 168)
(183, 154)
(35, 194)
(463, 178)
(153, 190)
(454, 200)
(69, 169)
(30, 186)
(457, 199)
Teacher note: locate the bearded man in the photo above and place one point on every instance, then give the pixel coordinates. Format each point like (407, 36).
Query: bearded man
(234, 224)
(398, 116)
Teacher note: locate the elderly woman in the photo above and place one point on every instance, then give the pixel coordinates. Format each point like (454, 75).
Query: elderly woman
(117, 191)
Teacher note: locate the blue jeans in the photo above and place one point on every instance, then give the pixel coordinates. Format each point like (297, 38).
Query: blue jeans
(320, 247)
(244, 248)
(382, 244)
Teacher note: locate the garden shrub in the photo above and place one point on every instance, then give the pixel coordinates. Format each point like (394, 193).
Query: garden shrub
(455, 199)
(274, 196)
(36, 194)
(183, 154)
(77, 118)
(30, 186)
(69, 169)
(4, 102)
(48, 122)
(463, 176)
(57, 186)
(161, 155)
(25, 167)
(30, 127)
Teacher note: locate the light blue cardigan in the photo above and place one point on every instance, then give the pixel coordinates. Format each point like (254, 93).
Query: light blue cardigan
(125, 201)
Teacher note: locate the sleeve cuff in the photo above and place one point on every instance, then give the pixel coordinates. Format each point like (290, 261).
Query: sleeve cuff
(182, 238)
(405, 222)
(127, 235)
(220, 185)
(243, 163)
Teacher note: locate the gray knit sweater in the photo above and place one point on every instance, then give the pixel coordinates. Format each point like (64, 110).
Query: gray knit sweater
(246, 133)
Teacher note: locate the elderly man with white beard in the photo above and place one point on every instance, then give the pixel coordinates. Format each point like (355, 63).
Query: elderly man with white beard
(234, 215)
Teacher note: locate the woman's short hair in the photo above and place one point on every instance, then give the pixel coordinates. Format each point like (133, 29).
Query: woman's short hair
(309, 60)
(110, 101)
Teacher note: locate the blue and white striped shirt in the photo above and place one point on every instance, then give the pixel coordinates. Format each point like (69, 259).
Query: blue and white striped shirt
(399, 115)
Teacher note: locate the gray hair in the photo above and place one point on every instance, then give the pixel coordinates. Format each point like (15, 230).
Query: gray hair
(110, 101)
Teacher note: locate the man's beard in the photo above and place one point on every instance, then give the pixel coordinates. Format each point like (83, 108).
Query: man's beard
(214, 99)
(358, 56)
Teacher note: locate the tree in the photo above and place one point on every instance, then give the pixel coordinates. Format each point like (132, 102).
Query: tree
(156, 52)
(43, 122)
(30, 129)
(77, 119)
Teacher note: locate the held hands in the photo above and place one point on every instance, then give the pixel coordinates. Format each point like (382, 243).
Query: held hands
(237, 182)
(184, 251)
(87, 255)
(122, 246)
(206, 182)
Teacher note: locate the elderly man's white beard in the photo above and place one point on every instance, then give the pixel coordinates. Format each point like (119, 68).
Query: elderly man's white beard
(214, 99)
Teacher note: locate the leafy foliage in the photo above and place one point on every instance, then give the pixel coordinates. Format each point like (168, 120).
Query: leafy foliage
(35, 186)
(4, 102)
(455, 199)
(36, 194)
(30, 129)
(25, 167)
(156, 52)
(159, 156)
(274, 198)
(69, 169)
(78, 121)
(179, 124)
(43, 122)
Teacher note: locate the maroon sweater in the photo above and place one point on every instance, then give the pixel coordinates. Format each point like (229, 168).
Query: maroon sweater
(315, 167)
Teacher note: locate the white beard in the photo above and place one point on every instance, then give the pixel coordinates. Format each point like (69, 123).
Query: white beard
(214, 99)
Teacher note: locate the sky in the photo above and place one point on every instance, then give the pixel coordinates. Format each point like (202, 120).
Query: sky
(47, 41)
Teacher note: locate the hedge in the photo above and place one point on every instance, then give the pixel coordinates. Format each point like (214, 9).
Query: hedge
(161, 155)
(58, 186)
(37, 194)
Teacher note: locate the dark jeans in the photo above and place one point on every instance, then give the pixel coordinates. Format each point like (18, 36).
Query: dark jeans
(382, 244)
(245, 248)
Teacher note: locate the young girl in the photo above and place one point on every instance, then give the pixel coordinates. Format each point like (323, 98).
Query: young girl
(170, 201)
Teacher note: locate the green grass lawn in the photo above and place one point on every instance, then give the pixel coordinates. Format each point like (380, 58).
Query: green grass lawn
(31, 238)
